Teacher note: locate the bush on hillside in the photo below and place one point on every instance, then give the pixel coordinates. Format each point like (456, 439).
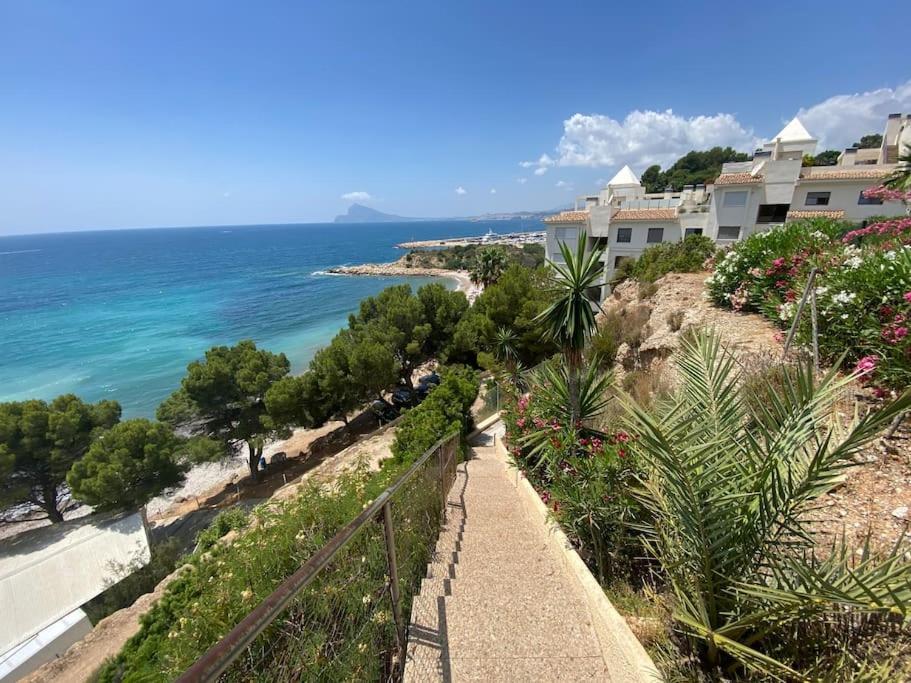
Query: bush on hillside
(446, 409)
(687, 256)
(863, 289)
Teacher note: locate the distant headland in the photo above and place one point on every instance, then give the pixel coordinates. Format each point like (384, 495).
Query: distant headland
(358, 213)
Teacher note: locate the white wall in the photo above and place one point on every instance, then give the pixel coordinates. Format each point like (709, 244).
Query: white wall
(560, 233)
(844, 196)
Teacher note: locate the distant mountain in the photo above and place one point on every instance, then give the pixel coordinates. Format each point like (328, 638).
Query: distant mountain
(358, 213)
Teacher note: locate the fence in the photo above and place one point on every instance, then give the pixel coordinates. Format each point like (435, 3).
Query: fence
(342, 614)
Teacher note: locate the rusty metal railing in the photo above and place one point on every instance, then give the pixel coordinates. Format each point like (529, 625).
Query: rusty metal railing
(442, 456)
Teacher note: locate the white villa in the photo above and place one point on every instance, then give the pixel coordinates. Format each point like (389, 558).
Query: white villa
(747, 197)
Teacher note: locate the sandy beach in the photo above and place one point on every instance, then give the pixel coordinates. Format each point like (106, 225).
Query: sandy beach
(398, 269)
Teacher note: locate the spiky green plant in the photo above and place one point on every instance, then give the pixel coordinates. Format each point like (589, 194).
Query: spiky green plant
(570, 319)
(900, 178)
(726, 499)
(550, 384)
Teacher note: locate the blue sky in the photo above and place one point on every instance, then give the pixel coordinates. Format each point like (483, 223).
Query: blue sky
(129, 114)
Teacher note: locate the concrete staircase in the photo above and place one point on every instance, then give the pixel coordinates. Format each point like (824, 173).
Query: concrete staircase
(496, 605)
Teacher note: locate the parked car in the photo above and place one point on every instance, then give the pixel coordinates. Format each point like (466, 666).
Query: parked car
(383, 411)
(403, 397)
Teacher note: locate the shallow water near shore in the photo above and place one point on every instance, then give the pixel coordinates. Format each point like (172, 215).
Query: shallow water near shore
(119, 314)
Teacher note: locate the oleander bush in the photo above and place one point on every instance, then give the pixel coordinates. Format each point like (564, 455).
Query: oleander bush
(863, 289)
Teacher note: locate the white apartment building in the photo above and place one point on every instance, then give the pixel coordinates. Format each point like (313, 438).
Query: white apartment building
(747, 197)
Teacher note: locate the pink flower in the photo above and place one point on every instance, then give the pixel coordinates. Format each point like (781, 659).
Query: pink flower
(907, 297)
(900, 333)
(778, 263)
(866, 365)
(879, 392)
(778, 337)
(520, 423)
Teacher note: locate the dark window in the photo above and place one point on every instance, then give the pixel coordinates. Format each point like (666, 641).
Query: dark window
(729, 232)
(655, 235)
(772, 213)
(692, 231)
(624, 234)
(818, 198)
(868, 200)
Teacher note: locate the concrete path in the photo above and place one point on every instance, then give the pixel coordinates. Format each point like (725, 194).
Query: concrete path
(496, 604)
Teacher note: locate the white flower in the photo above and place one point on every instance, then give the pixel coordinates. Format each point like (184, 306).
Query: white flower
(844, 297)
(854, 262)
(821, 291)
(817, 234)
(786, 310)
(889, 255)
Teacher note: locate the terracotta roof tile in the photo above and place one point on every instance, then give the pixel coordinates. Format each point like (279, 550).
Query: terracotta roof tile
(846, 174)
(645, 215)
(568, 217)
(737, 179)
(797, 215)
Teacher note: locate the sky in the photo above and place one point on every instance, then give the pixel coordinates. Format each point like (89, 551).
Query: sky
(118, 114)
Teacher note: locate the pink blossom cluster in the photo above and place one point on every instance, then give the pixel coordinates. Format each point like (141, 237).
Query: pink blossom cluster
(887, 194)
(739, 298)
(900, 228)
(865, 367)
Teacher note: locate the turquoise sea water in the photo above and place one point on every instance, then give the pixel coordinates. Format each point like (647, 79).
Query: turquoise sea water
(119, 314)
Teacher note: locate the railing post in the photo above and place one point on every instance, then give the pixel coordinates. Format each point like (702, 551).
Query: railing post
(394, 581)
(443, 492)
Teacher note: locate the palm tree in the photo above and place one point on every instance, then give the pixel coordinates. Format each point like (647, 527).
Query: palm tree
(900, 178)
(570, 319)
(489, 266)
(726, 499)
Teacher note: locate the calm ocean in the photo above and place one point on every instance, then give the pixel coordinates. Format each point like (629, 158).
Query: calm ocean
(119, 314)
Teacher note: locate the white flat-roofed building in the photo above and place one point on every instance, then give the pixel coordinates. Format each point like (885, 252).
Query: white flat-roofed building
(47, 574)
(747, 197)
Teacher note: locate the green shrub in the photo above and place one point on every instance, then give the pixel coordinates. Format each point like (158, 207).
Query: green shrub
(165, 556)
(686, 256)
(646, 290)
(228, 520)
(444, 410)
(675, 319)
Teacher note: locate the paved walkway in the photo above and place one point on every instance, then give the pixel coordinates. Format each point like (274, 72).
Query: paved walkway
(496, 604)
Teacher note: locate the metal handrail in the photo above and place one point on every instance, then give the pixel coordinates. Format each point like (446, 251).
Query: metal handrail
(221, 655)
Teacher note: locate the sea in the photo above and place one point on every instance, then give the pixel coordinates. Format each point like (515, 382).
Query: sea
(119, 314)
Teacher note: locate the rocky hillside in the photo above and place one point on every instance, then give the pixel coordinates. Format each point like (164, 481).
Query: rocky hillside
(875, 496)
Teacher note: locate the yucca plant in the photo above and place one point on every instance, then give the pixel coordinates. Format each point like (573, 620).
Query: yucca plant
(570, 319)
(726, 495)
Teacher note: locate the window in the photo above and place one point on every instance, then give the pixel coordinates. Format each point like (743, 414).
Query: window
(738, 198)
(691, 231)
(655, 235)
(818, 198)
(868, 200)
(772, 213)
(729, 232)
(624, 234)
(565, 234)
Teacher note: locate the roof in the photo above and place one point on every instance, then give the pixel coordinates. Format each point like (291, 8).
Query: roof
(47, 573)
(568, 217)
(794, 132)
(797, 215)
(645, 215)
(624, 176)
(859, 173)
(737, 179)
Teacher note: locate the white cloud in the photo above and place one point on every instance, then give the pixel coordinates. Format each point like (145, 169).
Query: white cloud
(521, 181)
(646, 137)
(563, 184)
(493, 190)
(461, 190)
(543, 163)
(840, 121)
(357, 196)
